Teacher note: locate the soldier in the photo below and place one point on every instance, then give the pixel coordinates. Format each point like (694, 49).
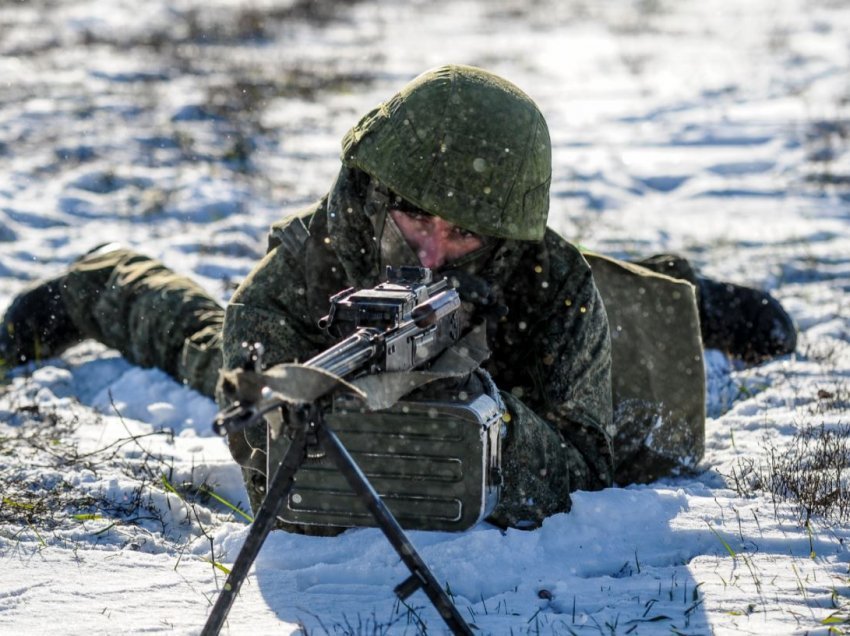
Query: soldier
(599, 362)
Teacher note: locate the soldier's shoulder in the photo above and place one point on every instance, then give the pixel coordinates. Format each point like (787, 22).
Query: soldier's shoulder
(292, 231)
(565, 258)
(545, 273)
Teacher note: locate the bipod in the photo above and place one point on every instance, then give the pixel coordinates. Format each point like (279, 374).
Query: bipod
(306, 424)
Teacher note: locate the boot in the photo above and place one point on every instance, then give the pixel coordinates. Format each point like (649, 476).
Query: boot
(744, 322)
(36, 326)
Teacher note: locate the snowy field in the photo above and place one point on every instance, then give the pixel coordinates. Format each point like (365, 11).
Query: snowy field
(720, 130)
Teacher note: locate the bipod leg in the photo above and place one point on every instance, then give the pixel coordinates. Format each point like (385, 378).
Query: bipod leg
(420, 574)
(301, 419)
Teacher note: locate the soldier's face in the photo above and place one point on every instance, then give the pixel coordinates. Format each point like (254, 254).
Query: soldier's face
(435, 240)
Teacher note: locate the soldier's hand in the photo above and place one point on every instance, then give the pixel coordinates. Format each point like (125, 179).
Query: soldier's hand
(479, 293)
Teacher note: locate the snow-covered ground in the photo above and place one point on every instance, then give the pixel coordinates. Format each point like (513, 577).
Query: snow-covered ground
(716, 129)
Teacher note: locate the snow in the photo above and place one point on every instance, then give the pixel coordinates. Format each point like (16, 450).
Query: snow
(719, 130)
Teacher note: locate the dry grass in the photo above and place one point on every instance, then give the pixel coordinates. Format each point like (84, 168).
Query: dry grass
(813, 473)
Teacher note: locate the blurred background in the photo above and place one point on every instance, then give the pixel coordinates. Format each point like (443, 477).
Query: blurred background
(183, 128)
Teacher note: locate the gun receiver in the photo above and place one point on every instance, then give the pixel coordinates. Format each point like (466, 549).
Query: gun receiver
(397, 326)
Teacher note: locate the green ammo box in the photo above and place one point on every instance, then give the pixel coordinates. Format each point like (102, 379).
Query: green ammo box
(436, 465)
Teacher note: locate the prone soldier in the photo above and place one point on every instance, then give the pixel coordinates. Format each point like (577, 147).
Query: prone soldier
(598, 362)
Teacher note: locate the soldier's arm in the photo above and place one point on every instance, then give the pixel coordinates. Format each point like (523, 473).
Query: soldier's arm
(559, 398)
(269, 308)
(572, 366)
(273, 306)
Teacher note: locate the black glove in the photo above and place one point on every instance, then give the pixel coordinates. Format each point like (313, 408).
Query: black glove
(486, 300)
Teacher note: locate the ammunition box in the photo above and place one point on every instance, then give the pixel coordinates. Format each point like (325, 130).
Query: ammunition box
(436, 465)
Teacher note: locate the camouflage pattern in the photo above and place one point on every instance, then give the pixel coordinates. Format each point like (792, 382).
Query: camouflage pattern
(473, 149)
(153, 316)
(464, 144)
(551, 354)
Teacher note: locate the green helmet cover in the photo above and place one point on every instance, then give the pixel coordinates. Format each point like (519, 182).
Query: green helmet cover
(465, 145)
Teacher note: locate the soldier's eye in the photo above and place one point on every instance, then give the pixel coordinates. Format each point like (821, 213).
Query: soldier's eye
(465, 234)
(408, 208)
(416, 214)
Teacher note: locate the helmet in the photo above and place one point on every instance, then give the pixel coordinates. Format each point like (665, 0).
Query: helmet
(465, 145)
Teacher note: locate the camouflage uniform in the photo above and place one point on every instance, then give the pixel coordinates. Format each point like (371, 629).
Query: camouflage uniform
(153, 316)
(551, 354)
(551, 357)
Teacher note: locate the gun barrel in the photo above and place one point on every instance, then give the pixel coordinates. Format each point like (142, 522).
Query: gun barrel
(349, 355)
(435, 308)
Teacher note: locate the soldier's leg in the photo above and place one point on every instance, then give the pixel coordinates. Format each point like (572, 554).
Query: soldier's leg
(744, 322)
(128, 301)
(657, 372)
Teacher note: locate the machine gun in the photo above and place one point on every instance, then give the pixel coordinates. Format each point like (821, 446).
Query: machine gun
(399, 325)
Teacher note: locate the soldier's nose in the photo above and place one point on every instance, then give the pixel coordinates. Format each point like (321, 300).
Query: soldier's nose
(432, 251)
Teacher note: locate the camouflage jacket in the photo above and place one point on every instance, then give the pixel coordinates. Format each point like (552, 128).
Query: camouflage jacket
(551, 354)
